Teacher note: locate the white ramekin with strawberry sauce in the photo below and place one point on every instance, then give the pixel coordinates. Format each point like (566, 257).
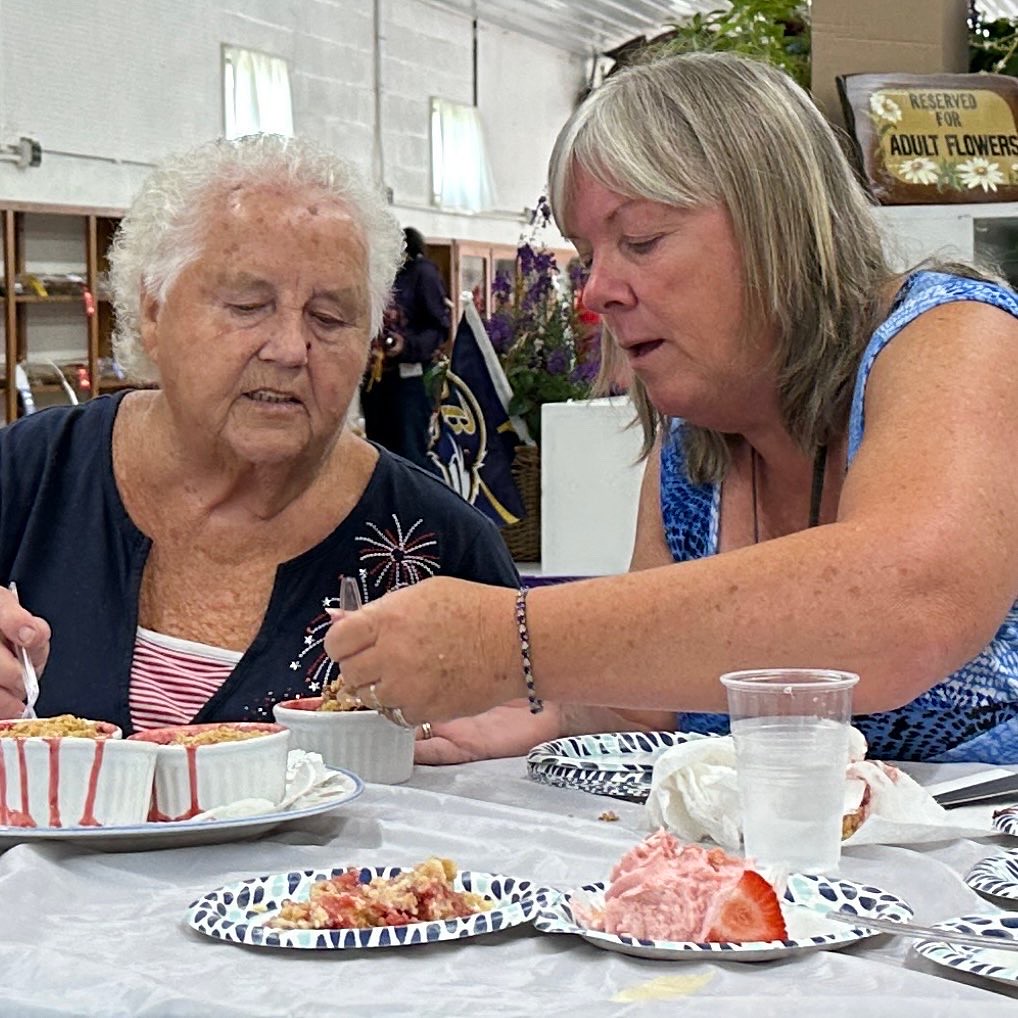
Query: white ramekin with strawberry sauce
(203, 767)
(71, 772)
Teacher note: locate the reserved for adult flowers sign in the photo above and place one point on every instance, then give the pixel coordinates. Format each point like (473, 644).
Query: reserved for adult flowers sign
(937, 138)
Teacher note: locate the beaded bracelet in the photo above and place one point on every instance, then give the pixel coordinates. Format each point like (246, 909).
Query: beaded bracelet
(536, 704)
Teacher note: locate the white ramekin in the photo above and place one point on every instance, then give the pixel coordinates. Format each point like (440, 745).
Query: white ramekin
(362, 741)
(191, 779)
(69, 781)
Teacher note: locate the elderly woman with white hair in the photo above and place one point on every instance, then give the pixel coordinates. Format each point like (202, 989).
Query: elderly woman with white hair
(183, 542)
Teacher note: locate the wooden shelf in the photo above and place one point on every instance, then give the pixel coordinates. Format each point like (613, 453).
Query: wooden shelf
(95, 227)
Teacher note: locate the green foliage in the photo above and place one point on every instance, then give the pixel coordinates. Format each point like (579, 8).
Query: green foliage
(776, 31)
(993, 45)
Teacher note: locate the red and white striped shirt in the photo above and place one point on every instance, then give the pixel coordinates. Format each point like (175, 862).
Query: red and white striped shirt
(172, 679)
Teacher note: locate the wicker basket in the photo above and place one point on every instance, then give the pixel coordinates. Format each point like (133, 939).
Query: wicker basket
(523, 539)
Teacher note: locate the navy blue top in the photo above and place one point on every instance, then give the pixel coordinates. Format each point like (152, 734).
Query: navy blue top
(419, 293)
(77, 557)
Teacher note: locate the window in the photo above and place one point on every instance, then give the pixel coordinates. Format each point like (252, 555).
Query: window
(460, 176)
(256, 93)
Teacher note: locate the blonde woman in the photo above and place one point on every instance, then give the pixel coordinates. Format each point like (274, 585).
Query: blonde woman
(830, 479)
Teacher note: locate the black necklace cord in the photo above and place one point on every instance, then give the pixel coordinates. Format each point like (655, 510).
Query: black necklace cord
(816, 492)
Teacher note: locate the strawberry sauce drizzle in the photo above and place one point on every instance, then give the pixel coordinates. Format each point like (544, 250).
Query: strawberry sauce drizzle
(54, 781)
(156, 815)
(11, 817)
(88, 810)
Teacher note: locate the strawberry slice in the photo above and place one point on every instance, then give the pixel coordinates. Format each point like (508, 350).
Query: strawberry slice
(750, 912)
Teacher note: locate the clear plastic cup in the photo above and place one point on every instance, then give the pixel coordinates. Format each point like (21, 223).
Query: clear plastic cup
(791, 732)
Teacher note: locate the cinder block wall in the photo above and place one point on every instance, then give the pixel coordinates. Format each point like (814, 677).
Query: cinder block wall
(109, 85)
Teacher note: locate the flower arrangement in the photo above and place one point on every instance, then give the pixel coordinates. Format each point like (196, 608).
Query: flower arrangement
(549, 346)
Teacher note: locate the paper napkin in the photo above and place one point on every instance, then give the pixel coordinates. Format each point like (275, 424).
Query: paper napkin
(306, 774)
(694, 794)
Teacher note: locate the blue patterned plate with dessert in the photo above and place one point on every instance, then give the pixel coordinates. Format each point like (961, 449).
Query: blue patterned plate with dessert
(619, 764)
(806, 900)
(269, 911)
(998, 964)
(996, 876)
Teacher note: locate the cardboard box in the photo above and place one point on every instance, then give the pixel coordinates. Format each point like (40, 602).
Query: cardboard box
(859, 36)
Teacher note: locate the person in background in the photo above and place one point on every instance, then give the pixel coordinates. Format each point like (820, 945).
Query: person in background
(830, 477)
(183, 543)
(396, 406)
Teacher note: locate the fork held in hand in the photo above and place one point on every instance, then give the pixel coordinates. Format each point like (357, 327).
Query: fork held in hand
(31, 679)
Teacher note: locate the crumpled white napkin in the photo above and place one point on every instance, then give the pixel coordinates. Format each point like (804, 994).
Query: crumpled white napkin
(306, 774)
(694, 794)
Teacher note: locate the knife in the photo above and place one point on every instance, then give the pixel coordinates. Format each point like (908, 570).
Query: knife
(1006, 785)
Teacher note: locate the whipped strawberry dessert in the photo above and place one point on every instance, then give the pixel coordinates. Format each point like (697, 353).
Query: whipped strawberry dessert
(665, 889)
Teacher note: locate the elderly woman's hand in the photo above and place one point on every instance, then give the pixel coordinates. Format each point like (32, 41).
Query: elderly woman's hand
(18, 627)
(507, 730)
(440, 649)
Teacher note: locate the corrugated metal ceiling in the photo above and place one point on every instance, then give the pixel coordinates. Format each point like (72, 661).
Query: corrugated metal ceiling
(593, 26)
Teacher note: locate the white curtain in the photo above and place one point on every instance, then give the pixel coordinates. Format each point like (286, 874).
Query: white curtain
(256, 93)
(460, 175)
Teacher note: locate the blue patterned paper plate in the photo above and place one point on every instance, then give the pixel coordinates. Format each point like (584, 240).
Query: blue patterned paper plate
(238, 912)
(996, 876)
(1000, 965)
(618, 764)
(1005, 821)
(806, 900)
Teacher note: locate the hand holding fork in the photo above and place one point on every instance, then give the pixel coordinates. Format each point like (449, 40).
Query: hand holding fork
(21, 630)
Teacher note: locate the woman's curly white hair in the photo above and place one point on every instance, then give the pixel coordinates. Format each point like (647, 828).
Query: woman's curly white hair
(163, 231)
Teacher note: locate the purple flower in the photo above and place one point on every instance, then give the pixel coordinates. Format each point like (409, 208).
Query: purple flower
(585, 372)
(544, 263)
(536, 292)
(558, 362)
(501, 286)
(578, 274)
(525, 256)
(542, 214)
(500, 332)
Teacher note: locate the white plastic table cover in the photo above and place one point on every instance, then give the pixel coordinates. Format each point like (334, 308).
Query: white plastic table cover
(87, 932)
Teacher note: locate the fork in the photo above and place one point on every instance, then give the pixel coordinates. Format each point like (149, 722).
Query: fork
(31, 679)
(350, 600)
(925, 932)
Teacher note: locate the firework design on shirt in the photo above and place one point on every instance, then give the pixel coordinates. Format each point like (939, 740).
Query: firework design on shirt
(398, 557)
(317, 667)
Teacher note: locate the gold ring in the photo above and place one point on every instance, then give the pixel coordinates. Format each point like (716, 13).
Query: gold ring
(426, 731)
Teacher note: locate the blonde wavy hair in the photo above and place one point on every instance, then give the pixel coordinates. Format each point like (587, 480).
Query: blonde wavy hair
(714, 128)
(164, 229)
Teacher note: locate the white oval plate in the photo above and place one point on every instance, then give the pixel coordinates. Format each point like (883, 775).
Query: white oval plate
(1001, 966)
(342, 787)
(996, 876)
(806, 899)
(238, 912)
(619, 764)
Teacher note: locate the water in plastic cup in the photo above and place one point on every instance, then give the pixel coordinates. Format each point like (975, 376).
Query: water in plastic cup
(791, 728)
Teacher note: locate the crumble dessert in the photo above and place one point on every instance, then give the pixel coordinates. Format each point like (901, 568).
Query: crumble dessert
(418, 895)
(63, 726)
(211, 736)
(335, 697)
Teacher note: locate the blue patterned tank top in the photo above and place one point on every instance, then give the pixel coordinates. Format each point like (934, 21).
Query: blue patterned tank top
(972, 715)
